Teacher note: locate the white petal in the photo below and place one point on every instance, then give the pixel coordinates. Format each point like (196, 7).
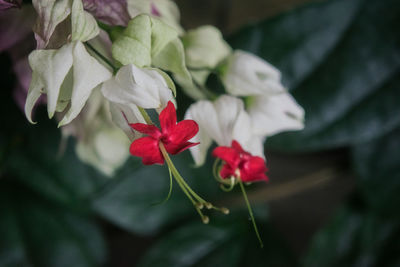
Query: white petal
(123, 115)
(271, 115)
(33, 96)
(199, 152)
(228, 110)
(248, 74)
(51, 67)
(88, 73)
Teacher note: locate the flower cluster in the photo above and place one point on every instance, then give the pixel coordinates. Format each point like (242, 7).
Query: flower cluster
(98, 62)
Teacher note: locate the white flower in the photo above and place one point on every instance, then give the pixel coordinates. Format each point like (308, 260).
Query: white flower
(247, 74)
(133, 87)
(273, 114)
(67, 76)
(99, 142)
(222, 121)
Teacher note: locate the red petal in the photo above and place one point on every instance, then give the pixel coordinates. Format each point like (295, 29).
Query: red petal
(151, 130)
(253, 170)
(178, 148)
(235, 145)
(227, 154)
(227, 171)
(168, 117)
(147, 148)
(181, 132)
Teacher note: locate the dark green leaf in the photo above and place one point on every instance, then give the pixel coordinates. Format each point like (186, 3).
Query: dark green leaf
(128, 201)
(378, 166)
(341, 61)
(228, 241)
(37, 233)
(356, 239)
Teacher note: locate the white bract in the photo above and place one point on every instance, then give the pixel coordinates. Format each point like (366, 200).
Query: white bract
(134, 87)
(222, 121)
(273, 114)
(67, 76)
(99, 143)
(246, 74)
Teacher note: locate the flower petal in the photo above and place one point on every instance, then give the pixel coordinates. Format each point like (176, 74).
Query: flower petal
(174, 149)
(227, 171)
(183, 131)
(112, 12)
(168, 118)
(151, 130)
(88, 73)
(227, 154)
(273, 114)
(253, 170)
(147, 148)
(50, 14)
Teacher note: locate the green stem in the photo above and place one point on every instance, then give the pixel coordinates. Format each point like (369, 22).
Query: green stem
(169, 193)
(145, 116)
(108, 62)
(251, 213)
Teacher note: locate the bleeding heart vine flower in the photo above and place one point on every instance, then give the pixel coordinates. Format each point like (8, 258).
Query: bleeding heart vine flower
(173, 136)
(171, 139)
(222, 121)
(240, 164)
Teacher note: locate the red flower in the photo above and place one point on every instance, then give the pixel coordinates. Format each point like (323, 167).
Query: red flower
(174, 137)
(240, 164)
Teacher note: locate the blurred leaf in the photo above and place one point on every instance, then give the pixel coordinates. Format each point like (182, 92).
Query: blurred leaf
(44, 197)
(35, 232)
(341, 60)
(33, 158)
(228, 241)
(128, 201)
(354, 238)
(378, 165)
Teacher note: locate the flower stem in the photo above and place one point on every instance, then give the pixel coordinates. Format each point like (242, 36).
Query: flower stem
(108, 62)
(251, 213)
(145, 116)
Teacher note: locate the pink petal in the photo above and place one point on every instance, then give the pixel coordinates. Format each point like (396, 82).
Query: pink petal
(147, 148)
(151, 130)
(227, 154)
(112, 12)
(168, 118)
(174, 149)
(182, 132)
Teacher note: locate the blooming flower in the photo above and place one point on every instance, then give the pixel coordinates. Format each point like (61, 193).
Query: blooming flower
(223, 120)
(240, 163)
(134, 87)
(173, 136)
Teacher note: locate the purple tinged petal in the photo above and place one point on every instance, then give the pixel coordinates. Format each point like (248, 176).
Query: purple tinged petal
(15, 25)
(112, 12)
(7, 4)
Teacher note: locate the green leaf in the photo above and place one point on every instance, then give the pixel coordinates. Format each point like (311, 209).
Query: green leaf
(44, 197)
(378, 165)
(354, 238)
(226, 241)
(36, 232)
(128, 201)
(340, 60)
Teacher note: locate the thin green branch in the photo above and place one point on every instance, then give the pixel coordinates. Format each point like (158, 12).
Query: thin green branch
(251, 213)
